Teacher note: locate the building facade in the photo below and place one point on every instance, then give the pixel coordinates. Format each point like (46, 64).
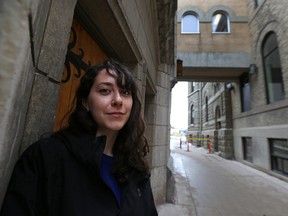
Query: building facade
(213, 45)
(45, 47)
(245, 52)
(210, 117)
(260, 101)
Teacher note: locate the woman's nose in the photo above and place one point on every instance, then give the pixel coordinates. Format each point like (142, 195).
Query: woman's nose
(117, 100)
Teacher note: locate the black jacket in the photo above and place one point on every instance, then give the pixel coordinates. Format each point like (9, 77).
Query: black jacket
(60, 176)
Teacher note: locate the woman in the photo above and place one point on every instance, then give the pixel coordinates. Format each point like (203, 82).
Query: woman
(95, 166)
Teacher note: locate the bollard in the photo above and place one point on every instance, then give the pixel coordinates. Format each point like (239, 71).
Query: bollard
(187, 146)
(180, 143)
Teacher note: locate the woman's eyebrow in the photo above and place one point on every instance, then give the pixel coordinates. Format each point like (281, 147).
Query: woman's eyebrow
(105, 83)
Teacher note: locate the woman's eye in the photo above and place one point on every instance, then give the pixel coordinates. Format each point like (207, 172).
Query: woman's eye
(125, 92)
(104, 91)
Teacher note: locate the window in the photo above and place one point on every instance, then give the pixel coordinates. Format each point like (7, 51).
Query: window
(247, 148)
(272, 69)
(206, 109)
(245, 92)
(217, 117)
(279, 155)
(192, 115)
(217, 113)
(258, 2)
(220, 23)
(190, 23)
(192, 87)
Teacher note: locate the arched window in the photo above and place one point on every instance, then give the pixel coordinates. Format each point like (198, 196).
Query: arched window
(220, 22)
(192, 117)
(190, 23)
(206, 109)
(217, 117)
(272, 69)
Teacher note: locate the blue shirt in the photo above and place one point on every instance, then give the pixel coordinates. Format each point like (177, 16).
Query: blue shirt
(109, 178)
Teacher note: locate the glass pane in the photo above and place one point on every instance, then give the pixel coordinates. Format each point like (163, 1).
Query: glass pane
(206, 109)
(248, 148)
(245, 92)
(279, 147)
(273, 71)
(189, 24)
(257, 2)
(218, 115)
(270, 44)
(193, 86)
(192, 114)
(273, 163)
(246, 97)
(279, 164)
(220, 23)
(274, 77)
(285, 166)
(279, 155)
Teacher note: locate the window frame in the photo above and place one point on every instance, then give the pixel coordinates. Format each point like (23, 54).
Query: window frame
(206, 109)
(279, 160)
(217, 117)
(245, 90)
(193, 85)
(247, 145)
(225, 14)
(190, 13)
(267, 57)
(192, 115)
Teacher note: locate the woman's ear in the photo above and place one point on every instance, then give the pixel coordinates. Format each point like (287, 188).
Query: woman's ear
(85, 104)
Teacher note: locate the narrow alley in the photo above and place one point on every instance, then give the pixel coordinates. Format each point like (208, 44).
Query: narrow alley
(221, 187)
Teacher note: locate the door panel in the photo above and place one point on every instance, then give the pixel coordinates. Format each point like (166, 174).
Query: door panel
(82, 52)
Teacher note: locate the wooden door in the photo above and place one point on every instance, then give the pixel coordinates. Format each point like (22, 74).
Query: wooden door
(82, 52)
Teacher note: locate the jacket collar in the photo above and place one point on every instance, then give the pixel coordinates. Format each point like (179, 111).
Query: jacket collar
(87, 148)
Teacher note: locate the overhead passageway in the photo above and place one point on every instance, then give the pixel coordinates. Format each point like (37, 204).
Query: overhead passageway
(209, 66)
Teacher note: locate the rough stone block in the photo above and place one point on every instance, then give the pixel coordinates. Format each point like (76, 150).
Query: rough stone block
(53, 49)
(41, 113)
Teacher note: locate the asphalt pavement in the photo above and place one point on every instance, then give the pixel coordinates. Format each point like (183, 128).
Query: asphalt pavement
(208, 185)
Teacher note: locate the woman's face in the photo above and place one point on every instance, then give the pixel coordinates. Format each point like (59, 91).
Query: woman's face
(110, 106)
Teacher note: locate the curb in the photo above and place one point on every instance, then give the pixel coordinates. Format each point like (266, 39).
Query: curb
(179, 192)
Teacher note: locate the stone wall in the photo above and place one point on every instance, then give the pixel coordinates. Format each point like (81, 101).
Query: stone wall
(157, 111)
(217, 128)
(206, 41)
(32, 60)
(264, 120)
(240, 8)
(194, 98)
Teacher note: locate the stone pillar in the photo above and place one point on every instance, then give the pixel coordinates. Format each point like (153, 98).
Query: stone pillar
(33, 48)
(226, 148)
(161, 136)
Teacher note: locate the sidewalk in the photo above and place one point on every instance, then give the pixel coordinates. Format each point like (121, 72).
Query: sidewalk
(183, 203)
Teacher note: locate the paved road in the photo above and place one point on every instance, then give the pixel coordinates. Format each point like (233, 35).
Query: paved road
(222, 187)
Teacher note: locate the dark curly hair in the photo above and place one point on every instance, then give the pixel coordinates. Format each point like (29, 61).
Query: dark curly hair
(132, 146)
